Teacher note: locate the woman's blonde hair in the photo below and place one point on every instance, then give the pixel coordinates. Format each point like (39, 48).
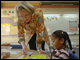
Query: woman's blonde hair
(23, 5)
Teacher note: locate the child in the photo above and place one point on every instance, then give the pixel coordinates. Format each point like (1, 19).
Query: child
(59, 39)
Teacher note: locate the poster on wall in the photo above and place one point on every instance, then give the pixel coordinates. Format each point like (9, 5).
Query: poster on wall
(5, 29)
(73, 25)
(50, 18)
(77, 22)
(14, 29)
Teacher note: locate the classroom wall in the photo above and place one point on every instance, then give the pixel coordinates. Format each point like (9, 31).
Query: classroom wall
(49, 11)
(74, 38)
(14, 40)
(62, 22)
(60, 10)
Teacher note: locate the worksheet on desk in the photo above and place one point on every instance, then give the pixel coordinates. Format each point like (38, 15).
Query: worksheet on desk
(32, 56)
(22, 57)
(14, 52)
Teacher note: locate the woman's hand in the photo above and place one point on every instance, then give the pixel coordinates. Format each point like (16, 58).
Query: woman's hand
(42, 52)
(25, 50)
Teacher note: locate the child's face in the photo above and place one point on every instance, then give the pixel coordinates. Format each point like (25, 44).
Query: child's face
(56, 42)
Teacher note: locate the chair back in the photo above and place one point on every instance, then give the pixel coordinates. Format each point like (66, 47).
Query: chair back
(73, 56)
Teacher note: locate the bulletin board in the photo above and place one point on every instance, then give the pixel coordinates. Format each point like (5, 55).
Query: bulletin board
(67, 23)
(8, 26)
(8, 23)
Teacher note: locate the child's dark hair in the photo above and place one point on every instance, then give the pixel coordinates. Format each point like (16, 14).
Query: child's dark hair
(62, 34)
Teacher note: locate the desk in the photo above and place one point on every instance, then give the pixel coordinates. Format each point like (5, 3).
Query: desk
(35, 52)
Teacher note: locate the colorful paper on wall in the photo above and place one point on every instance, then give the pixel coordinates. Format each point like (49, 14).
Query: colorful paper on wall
(9, 11)
(14, 19)
(49, 18)
(8, 14)
(5, 29)
(10, 18)
(4, 12)
(73, 25)
(14, 29)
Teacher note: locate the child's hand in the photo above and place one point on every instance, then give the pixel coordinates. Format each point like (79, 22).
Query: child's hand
(42, 52)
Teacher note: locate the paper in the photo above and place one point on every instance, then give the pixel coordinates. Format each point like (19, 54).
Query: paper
(15, 20)
(22, 57)
(73, 25)
(33, 57)
(14, 29)
(10, 18)
(5, 29)
(8, 14)
(5, 12)
(14, 52)
(29, 53)
(9, 11)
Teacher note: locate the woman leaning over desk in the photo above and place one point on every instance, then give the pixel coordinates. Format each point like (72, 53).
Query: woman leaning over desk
(31, 20)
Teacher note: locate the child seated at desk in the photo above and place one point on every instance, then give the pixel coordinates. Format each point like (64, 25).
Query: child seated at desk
(59, 41)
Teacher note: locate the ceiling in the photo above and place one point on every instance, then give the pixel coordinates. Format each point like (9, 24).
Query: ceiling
(46, 2)
(9, 2)
(60, 3)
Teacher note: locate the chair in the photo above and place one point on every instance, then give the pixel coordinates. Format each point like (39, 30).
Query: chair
(73, 56)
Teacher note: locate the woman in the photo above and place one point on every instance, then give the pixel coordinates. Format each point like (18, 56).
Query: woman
(31, 20)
